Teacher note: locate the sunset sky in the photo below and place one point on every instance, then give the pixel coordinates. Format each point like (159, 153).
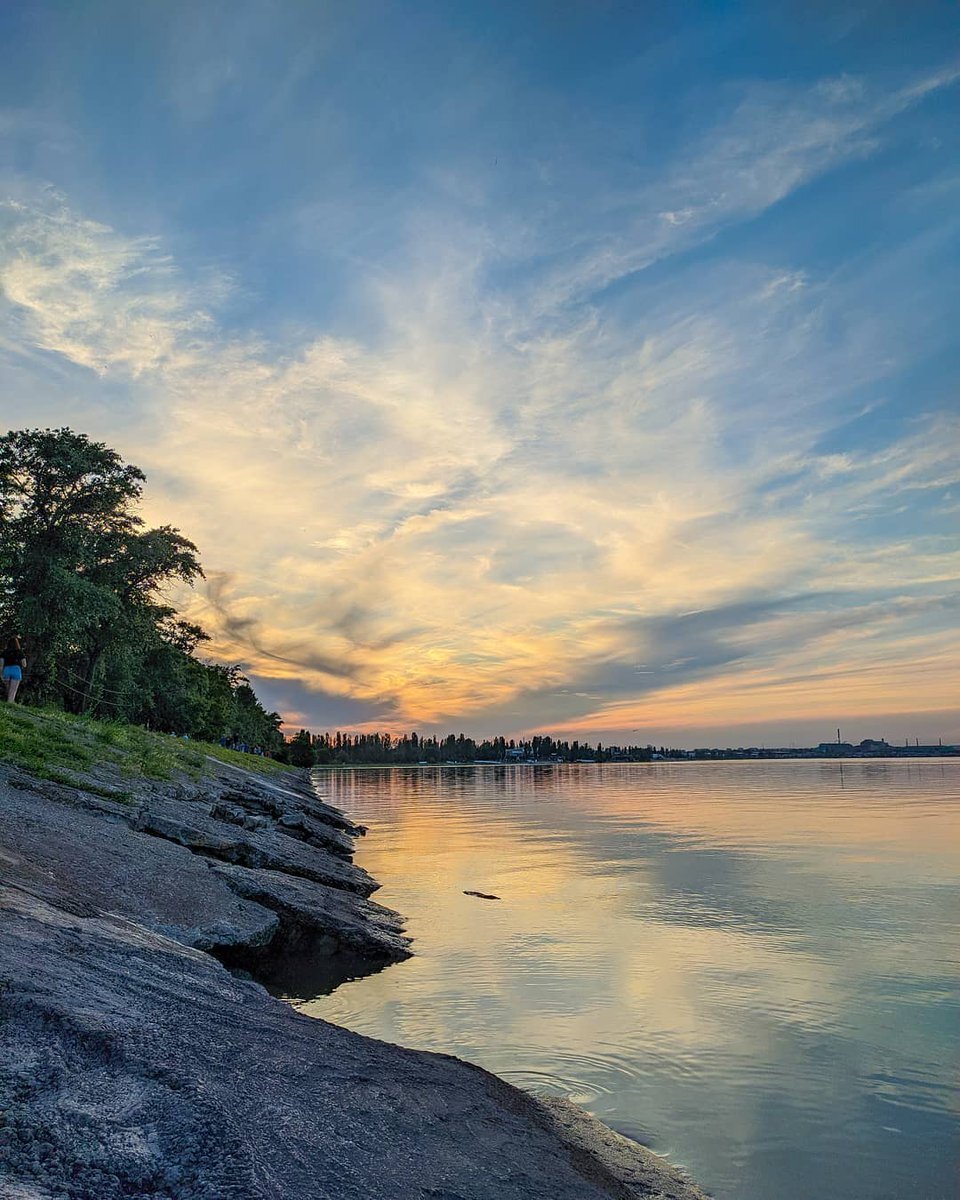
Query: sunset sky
(575, 366)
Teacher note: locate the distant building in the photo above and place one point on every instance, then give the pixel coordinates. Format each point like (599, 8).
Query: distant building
(835, 749)
(874, 746)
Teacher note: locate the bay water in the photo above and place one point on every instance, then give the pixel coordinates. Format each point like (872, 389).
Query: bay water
(751, 967)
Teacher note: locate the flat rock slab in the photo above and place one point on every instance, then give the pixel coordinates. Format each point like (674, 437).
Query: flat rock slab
(320, 919)
(192, 824)
(293, 793)
(131, 1065)
(317, 833)
(76, 859)
(647, 1174)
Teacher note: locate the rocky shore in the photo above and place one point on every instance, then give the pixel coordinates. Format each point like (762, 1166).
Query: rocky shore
(141, 1056)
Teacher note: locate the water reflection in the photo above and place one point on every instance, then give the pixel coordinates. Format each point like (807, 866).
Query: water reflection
(294, 977)
(744, 964)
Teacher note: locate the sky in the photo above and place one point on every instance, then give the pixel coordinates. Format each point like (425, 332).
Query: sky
(580, 367)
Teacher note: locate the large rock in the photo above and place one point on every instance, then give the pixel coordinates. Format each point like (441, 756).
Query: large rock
(317, 833)
(193, 825)
(131, 1065)
(74, 858)
(152, 857)
(319, 920)
(278, 796)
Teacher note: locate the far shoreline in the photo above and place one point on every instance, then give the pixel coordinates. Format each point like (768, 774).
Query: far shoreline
(947, 754)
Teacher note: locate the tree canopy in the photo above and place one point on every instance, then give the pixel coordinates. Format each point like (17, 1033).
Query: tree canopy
(82, 584)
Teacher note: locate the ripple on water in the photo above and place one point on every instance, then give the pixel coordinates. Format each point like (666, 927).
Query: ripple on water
(756, 963)
(580, 1077)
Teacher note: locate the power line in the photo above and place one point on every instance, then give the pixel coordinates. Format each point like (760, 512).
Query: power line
(76, 675)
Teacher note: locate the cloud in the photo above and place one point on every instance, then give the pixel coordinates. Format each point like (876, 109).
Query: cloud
(501, 497)
(99, 299)
(777, 139)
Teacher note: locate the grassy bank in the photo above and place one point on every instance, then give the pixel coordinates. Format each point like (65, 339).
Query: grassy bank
(55, 745)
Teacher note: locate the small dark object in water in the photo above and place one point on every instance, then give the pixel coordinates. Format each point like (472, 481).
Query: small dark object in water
(481, 895)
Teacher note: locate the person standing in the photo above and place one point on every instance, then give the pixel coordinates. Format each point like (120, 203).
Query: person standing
(12, 666)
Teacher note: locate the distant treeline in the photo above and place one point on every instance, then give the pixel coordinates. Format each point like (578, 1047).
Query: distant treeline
(82, 584)
(369, 749)
(345, 749)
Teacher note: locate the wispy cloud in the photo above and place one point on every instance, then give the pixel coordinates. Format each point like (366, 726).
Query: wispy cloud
(776, 140)
(97, 298)
(501, 500)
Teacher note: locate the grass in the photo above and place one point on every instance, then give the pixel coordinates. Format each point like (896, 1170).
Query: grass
(250, 762)
(52, 744)
(39, 743)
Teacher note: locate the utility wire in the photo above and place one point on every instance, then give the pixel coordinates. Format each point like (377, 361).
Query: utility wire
(86, 695)
(113, 691)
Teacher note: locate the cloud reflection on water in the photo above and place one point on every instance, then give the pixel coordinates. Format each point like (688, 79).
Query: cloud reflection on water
(740, 962)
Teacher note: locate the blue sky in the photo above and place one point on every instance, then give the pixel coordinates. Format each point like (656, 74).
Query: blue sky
(587, 367)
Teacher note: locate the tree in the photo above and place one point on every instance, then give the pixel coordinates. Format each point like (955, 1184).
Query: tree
(81, 581)
(300, 751)
(131, 571)
(79, 573)
(65, 502)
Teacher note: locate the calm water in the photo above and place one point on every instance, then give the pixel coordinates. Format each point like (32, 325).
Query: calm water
(751, 967)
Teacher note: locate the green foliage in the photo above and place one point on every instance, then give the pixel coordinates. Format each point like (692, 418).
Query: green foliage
(81, 582)
(299, 750)
(40, 743)
(64, 748)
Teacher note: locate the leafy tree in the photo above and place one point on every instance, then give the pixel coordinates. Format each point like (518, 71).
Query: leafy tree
(81, 581)
(65, 505)
(300, 751)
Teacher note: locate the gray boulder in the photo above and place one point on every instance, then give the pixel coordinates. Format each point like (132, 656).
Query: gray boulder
(319, 920)
(76, 860)
(193, 825)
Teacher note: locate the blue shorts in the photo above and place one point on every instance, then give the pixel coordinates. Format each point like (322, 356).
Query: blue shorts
(12, 673)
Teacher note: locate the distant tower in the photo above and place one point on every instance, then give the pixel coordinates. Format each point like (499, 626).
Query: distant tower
(838, 737)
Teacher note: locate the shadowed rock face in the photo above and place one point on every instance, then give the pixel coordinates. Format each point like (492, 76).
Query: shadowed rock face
(132, 1063)
(162, 860)
(311, 912)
